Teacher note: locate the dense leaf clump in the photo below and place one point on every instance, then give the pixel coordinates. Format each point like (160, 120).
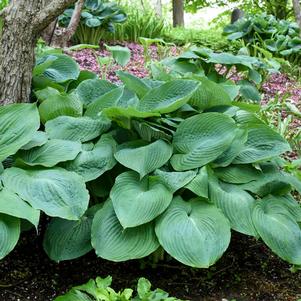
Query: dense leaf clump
(126, 169)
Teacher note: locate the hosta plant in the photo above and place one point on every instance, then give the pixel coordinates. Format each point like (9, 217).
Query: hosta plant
(97, 18)
(100, 290)
(222, 68)
(280, 37)
(127, 169)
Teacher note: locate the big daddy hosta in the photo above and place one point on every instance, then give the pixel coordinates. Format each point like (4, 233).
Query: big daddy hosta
(127, 169)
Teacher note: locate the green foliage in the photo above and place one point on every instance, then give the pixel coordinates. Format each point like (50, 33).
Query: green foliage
(97, 18)
(212, 39)
(280, 37)
(139, 24)
(3, 3)
(124, 170)
(203, 62)
(100, 290)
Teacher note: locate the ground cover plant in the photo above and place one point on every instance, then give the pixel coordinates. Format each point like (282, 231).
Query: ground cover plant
(100, 290)
(130, 169)
(280, 37)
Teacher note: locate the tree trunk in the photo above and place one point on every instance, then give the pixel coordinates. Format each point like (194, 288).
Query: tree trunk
(17, 45)
(23, 22)
(297, 10)
(178, 12)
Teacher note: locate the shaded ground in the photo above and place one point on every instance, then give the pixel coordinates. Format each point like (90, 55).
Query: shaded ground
(247, 272)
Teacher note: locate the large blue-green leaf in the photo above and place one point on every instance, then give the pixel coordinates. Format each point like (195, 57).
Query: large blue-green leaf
(9, 233)
(55, 191)
(236, 204)
(144, 158)
(209, 94)
(133, 83)
(18, 124)
(201, 139)
(200, 184)
(174, 180)
(137, 202)
(51, 153)
(112, 242)
(60, 105)
(11, 204)
(91, 164)
(90, 90)
(66, 240)
(62, 69)
(263, 143)
(38, 139)
(76, 128)
(277, 226)
(107, 100)
(195, 233)
(168, 97)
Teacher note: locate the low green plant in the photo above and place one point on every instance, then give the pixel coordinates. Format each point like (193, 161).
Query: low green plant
(139, 24)
(210, 38)
(149, 164)
(100, 290)
(97, 18)
(249, 72)
(280, 37)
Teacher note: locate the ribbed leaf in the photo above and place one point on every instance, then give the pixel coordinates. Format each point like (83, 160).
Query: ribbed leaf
(90, 90)
(133, 83)
(195, 233)
(51, 153)
(60, 105)
(55, 191)
(201, 139)
(174, 180)
(11, 204)
(76, 129)
(18, 124)
(9, 234)
(148, 132)
(62, 69)
(137, 202)
(110, 99)
(209, 94)
(263, 143)
(235, 148)
(238, 174)
(112, 242)
(39, 138)
(236, 204)
(168, 97)
(91, 164)
(278, 228)
(144, 158)
(200, 184)
(66, 240)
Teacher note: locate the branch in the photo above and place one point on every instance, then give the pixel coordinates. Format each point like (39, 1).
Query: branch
(50, 12)
(75, 19)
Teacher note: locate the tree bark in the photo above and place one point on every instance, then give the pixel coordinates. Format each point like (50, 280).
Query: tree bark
(178, 12)
(62, 36)
(23, 22)
(297, 11)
